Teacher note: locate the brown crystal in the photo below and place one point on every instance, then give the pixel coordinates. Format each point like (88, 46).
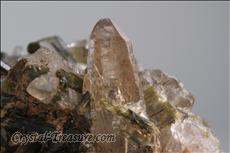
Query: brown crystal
(112, 74)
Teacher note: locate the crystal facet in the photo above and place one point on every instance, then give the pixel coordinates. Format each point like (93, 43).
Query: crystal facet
(169, 88)
(46, 87)
(189, 134)
(112, 74)
(79, 51)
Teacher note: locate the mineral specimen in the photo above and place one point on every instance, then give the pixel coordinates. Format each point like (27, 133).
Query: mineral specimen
(21, 112)
(168, 105)
(94, 86)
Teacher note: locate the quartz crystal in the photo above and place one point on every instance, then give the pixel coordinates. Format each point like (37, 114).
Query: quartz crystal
(112, 74)
(22, 112)
(75, 53)
(181, 131)
(53, 43)
(46, 86)
(79, 51)
(168, 87)
(162, 113)
(111, 57)
(189, 134)
(12, 59)
(142, 134)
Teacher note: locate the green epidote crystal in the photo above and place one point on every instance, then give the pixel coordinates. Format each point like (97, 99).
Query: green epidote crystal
(128, 114)
(141, 131)
(160, 112)
(70, 79)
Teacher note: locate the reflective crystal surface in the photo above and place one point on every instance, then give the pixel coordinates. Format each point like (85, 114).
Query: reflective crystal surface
(160, 112)
(53, 43)
(112, 74)
(43, 87)
(14, 57)
(168, 105)
(46, 87)
(188, 135)
(168, 87)
(79, 51)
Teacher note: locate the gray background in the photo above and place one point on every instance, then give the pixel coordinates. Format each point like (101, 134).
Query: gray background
(188, 40)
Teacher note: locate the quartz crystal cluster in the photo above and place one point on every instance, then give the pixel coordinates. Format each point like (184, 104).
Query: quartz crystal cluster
(95, 86)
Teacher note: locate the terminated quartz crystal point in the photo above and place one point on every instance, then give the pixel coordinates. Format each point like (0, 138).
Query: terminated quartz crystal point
(169, 88)
(46, 87)
(112, 58)
(112, 74)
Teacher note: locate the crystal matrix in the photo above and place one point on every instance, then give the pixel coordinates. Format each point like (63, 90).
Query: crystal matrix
(95, 86)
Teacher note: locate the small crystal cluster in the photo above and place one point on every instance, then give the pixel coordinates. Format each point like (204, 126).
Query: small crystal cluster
(96, 87)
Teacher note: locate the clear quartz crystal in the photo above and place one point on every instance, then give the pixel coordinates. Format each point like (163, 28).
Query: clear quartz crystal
(168, 87)
(45, 86)
(69, 99)
(189, 135)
